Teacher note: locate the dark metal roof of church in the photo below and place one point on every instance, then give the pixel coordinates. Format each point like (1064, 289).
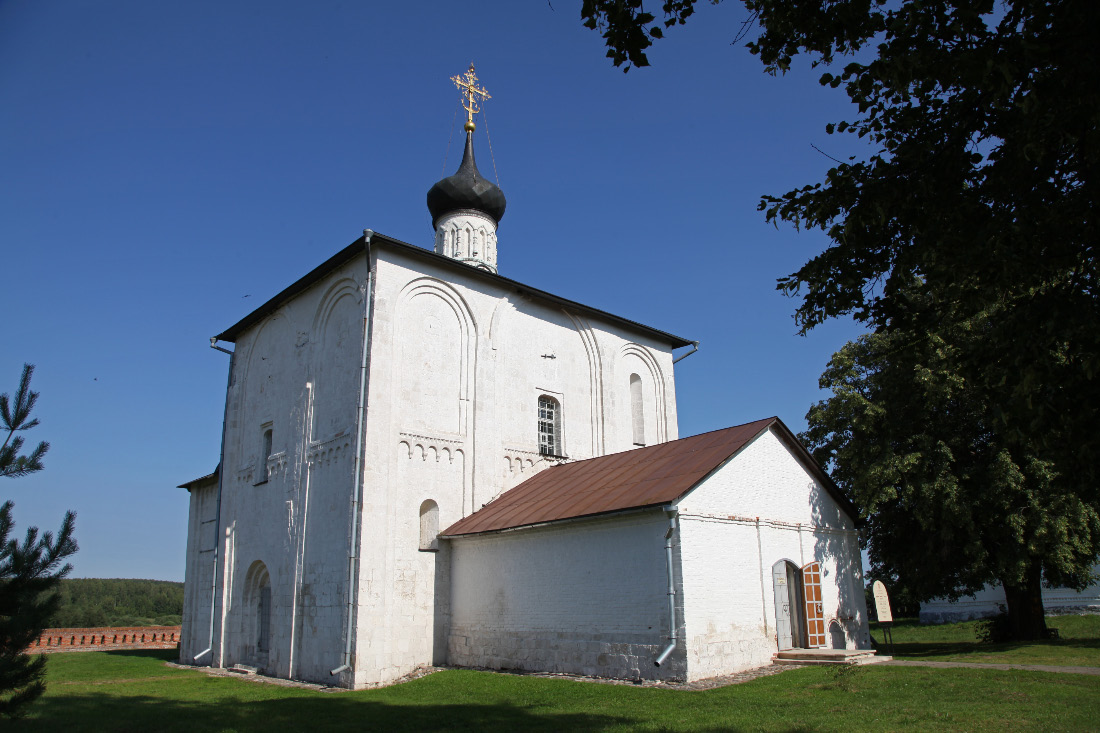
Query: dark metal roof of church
(360, 246)
(196, 482)
(646, 477)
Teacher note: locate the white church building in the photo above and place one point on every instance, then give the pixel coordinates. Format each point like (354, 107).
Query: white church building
(424, 462)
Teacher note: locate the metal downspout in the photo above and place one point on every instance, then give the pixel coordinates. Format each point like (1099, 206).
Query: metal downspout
(305, 476)
(672, 513)
(218, 507)
(357, 493)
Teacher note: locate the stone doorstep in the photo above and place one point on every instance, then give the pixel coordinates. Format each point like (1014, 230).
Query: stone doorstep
(829, 656)
(834, 662)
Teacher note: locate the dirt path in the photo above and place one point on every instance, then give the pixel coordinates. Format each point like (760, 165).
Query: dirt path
(975, 665)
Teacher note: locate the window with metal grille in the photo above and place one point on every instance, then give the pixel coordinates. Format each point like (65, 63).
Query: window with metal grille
(549, 426)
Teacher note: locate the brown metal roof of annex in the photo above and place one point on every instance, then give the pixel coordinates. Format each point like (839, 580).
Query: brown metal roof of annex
(635, 479)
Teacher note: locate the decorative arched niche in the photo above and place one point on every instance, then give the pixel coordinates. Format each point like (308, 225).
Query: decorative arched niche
(434, 368)
(429, 526)
(338, 347)
(257, 613)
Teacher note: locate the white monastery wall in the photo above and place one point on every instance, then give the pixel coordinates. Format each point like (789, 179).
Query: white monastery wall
(586, 597)
(286, 516)
(991, 601)
(457, 366)
(761, 507)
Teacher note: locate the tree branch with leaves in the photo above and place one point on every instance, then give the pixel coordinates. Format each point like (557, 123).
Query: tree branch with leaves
(977, 209)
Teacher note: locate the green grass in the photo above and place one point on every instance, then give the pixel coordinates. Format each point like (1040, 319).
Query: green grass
(135, 691)
(1078, 643)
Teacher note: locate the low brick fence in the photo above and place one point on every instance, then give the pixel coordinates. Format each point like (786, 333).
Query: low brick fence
(113, 637)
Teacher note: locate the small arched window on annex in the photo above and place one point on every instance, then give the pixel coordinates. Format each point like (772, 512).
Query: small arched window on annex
(549, 426)
(429, 526)
(637, 410)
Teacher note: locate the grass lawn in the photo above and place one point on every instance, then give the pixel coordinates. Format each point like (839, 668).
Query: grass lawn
(1078, 645)
(135, 691)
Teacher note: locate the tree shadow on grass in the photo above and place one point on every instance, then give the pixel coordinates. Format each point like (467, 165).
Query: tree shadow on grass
(75, 713)
(165, 655)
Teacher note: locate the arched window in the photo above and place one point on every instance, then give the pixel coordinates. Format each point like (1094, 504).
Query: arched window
(637, 413)
(429, 526)
(549, 426)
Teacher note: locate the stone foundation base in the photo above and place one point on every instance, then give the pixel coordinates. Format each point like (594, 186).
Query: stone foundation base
(621, 656)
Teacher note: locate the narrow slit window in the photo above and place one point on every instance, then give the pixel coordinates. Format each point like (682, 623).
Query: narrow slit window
(549, 427)
(637, 410)
(265, 454)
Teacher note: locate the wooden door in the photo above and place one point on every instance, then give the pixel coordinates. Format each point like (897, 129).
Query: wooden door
(815, 609)
(782, 606)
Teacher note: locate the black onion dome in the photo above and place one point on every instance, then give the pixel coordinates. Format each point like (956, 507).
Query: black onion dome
(466, 189)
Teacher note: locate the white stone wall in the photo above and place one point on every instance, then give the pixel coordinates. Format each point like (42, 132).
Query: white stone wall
(199, 574)
(456, 369)
(287, 517)
(761, 507)
(586, 597)
(991, 601)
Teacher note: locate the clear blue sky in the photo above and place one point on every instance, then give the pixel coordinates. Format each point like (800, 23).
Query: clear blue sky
(166, 167)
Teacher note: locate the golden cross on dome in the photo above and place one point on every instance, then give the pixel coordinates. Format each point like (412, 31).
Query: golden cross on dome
(467, 86)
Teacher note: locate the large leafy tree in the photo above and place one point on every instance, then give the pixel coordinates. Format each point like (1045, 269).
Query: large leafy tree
(31, 570)
(975, 214)
(952, 504)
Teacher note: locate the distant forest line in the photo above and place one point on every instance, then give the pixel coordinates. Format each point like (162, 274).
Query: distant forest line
(119, 602)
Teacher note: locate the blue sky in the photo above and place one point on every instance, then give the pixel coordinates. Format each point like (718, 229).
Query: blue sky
(166, 167)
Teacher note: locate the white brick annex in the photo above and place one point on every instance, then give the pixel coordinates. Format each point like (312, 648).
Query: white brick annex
(394, 392)
(570, 571)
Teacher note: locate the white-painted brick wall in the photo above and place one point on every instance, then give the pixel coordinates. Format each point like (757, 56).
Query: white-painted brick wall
(586, 597)
(728, 557)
